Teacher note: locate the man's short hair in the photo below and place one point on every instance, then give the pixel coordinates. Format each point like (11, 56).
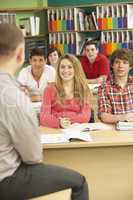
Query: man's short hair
(91, 42)
(123, 54)
(37, 52)
(10, 37)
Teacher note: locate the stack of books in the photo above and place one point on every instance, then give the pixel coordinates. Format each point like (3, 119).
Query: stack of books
(124, 126)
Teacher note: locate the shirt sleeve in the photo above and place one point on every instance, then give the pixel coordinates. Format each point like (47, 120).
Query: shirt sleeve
(22, 77)
(46, 116)
(104, 104)
(23, 129)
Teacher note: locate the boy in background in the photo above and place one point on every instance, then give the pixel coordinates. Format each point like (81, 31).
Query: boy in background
(95, 65)
(115, 98)
(37, 75)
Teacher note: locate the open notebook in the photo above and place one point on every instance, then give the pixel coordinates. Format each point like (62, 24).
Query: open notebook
(75, 131)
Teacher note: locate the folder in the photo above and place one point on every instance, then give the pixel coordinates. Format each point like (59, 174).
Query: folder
(70, 21)
(63, 20)
(66, 50)
(114, 17)
(99, 12)
(129, 15)
(49, 20)
(109, 17)
(104, 19)
(119, 16)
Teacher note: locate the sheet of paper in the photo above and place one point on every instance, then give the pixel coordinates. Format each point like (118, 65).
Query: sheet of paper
(92, 126)
(53, 138)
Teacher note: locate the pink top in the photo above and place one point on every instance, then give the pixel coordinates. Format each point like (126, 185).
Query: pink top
(51, 110)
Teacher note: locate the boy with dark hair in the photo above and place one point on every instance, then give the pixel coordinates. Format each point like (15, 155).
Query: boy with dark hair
(37, 75)
(22, 173)
(95, 65)
(115, 98)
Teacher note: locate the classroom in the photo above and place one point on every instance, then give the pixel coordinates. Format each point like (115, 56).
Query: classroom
(66, 118)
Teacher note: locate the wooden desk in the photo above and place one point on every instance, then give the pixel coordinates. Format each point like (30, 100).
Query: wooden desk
(106, 162)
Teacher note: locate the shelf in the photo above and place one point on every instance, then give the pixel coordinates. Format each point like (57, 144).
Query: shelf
(23, 9)
(86, 31)
(35, 36)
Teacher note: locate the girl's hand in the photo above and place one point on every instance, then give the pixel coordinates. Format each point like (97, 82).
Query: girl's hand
(65, 122)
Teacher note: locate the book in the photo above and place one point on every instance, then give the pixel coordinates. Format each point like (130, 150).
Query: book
(64, 137)
(124, 126)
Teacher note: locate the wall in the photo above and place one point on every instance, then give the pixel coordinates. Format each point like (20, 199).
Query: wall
(82, 2)
(22, 3)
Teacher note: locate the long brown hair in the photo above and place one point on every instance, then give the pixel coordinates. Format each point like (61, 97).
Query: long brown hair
(81, 90)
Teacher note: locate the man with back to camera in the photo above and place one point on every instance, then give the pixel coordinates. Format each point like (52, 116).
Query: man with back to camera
(95, 65)
(115, 98)
(22, 173)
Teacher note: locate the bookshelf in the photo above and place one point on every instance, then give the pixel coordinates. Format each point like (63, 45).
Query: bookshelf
(111, 24)
(69, 27)
(31, 17)
(116, 24)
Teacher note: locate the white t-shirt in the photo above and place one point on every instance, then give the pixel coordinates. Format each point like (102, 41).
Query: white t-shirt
(26, 78)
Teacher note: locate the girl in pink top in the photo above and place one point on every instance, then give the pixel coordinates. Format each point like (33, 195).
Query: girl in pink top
(66, 101)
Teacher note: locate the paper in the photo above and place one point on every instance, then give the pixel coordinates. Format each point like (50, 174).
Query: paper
(124, 126)
(91, 126)
(65, 136)
(94, 87)
(53, 138)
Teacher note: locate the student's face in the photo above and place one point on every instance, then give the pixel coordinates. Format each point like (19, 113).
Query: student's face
(37, 62)
(91, 52)
(121, 67)
(66, 70)
(53, 57)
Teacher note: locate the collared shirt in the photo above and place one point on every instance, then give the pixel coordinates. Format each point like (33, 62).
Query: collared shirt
(19, 137)
(98, 68)
(36, 87)
(114, 99)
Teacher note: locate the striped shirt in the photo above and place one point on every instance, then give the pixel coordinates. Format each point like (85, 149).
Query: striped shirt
(114, 99)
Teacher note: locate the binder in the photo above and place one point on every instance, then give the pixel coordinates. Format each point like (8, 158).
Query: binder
(130, 37)
(73, 43)
(114, 40)
(60, 43)
(99, 11)
(49, 13)
(109, 18)
(104, 19)
(64, 39)
(129, 15)
(70, 21)
(58, 20)
(119, 16)
(63, 20)
(54, 22)
(103, 43)
(114, 17)
(124, 15)
(109, 44)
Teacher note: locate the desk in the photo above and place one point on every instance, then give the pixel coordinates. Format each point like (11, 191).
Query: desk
(106, 162)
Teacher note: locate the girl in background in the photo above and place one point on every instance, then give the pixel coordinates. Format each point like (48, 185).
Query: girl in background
(68, 100)
(53, 56)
